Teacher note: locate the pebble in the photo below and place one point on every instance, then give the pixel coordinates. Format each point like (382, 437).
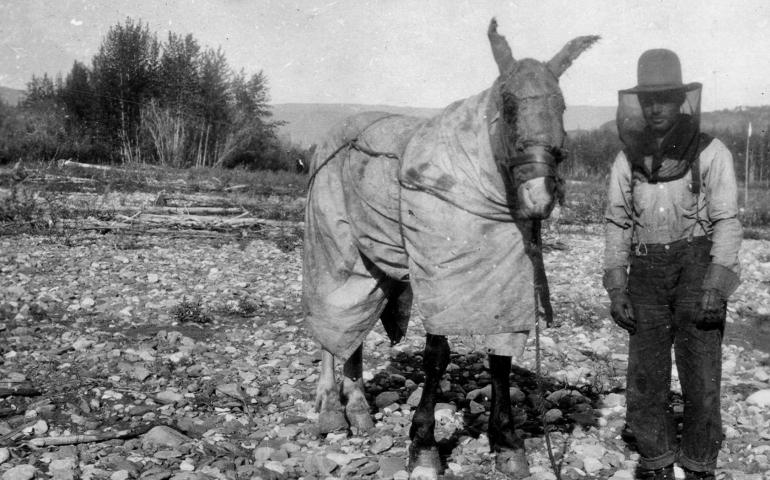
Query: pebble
(760, 398)
(382, 444)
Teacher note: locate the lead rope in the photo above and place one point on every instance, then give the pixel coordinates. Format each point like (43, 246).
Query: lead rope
(539, 314)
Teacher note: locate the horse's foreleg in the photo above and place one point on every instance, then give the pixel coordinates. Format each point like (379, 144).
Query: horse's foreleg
(356, 406)
(511, 457)
(424, 460)
(327, 398)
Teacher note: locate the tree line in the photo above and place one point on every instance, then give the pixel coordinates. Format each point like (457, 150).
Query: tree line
(591, 153)
(170, 103)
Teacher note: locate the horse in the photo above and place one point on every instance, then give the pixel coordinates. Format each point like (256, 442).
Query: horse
(438, 217)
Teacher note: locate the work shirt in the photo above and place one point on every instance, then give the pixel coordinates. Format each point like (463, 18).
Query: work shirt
(641, 213)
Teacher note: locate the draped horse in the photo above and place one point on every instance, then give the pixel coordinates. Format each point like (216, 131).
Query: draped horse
(437, 217)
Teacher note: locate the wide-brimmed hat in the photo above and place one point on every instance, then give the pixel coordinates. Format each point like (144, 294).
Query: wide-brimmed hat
(659, 70)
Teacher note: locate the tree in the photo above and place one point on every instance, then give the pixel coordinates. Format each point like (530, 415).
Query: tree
(124, 77)
(77, 96)
(211, 106)
(40, 92)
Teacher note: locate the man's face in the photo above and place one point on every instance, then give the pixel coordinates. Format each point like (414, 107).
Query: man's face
(661, 109)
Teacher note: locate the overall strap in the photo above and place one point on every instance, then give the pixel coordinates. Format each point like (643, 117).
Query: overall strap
(703, 142)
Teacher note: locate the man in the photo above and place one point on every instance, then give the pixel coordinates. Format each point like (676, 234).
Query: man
(671, 262)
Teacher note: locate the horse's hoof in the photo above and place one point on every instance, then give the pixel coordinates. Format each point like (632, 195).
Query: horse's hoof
(360, 421)
(330, 421)
(424, 464)
(513, 463)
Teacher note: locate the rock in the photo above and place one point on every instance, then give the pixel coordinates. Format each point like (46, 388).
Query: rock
(164, 436)
(20, 472)
(320, 464)
(390, 465)
(552, 415)
(622, 475)
(760, 398)
(81, 344)
(414, 398)
(275, 467)
(386, 398)
(62, 469)
(613, 400)
(474, 394)
(262, 454)
(592, 465)
(382, 444)
(120, 475)
(342, 459)
(169, 397)
(5, 454)
(584, 450)
(476, 408)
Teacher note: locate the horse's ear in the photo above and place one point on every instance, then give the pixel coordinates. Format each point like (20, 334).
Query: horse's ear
(562, 60)
(500, 48)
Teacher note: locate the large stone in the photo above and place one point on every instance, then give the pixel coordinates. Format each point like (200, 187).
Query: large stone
(760, 398)
(62, 469)
(163, 436)
(414, 398)
(20, 472)
(386, 398)
(382, 444)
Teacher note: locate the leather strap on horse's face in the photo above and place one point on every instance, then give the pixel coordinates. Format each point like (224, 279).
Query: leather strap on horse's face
(533, 162)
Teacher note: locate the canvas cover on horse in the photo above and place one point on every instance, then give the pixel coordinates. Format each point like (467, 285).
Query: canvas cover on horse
(393, 198)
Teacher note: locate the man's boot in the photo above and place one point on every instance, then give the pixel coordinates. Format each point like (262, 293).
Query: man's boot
(664, 473)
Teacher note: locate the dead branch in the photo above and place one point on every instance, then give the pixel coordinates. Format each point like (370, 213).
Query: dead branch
(88, 438)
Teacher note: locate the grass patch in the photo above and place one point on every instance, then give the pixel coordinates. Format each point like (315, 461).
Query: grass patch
(190, 311)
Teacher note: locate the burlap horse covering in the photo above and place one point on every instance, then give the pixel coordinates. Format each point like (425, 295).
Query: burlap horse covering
(433, 210)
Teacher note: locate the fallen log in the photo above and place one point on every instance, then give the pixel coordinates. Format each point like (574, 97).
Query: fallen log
(20, 391)
(72, 164)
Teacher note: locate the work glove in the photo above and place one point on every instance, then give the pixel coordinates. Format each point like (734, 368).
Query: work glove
(711, 310)
(622, 311)
(718, 284)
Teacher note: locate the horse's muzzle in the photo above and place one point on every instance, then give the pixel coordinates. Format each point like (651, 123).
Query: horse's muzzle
(535, 179)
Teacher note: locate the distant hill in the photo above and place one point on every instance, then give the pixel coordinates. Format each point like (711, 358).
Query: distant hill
(307, 123)
(11, 96)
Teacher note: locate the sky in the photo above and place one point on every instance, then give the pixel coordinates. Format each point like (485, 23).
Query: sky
(418, 53)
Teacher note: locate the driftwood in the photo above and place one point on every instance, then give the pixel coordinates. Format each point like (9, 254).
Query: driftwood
(191, 222)
(72, 164)
(20, 390)
(87, 438)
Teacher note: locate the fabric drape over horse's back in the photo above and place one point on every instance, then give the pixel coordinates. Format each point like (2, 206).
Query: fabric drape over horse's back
(468, 260)
(434, 209)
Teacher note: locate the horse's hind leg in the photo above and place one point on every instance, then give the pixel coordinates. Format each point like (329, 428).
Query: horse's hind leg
(356, 406)
(331, 416)
(511, 456)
